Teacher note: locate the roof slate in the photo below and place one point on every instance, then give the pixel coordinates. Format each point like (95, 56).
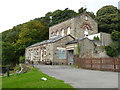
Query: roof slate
(51, 40)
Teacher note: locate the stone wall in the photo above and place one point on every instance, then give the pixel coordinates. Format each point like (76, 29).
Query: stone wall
(92, 49)
(80, 23)
(105, 38)
(63, 25)
(60, 44)
(35, 53)
(49, 54)
(77, 26)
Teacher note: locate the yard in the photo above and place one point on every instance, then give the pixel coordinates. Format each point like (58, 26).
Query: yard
(32, 79)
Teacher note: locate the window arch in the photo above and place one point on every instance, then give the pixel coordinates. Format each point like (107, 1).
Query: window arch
(85, 31)
(62, 32)
(68, 30)
(57, 33)
(86, 17)
(86, 24)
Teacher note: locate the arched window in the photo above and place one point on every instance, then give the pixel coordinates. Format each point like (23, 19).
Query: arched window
(68, 30)
(62, 32)
(85, 31)
(57, 33)
(86, 18)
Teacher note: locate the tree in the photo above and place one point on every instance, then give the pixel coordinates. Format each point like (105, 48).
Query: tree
(57, 16)
(81, 10)
(112, 50)
(33, 32)
(19, 37)
(107, 18)
(116, 35)
(8, 54)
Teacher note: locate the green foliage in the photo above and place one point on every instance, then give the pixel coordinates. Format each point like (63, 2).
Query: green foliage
(107, 18)
(25, 68)
(16, 68)
(22, 59)
(8, 54)
(96, 38)
(62, 15)
(116, 35)
(15, 40)
(113, 49)
(19, 37)
(109, 9)
(81, 10)
(35, 69)
(32, 79)
(26, 34)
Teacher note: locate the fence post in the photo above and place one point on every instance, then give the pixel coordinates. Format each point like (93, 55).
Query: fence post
(100, 63)
(114, 65)
(91, 63)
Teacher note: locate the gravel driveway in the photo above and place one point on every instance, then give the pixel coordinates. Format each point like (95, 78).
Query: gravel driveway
(81, 78)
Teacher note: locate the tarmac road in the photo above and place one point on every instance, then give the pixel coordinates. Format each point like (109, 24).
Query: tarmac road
(81, 78)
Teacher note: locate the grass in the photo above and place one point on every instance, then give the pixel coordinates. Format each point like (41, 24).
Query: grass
(32, 79)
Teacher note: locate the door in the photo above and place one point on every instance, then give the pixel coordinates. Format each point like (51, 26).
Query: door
(70, 57)
(41, 55)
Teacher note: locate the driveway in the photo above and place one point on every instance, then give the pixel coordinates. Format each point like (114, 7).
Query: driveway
(81, 78)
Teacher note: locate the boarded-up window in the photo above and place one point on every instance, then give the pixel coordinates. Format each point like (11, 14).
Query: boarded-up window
(61, 54)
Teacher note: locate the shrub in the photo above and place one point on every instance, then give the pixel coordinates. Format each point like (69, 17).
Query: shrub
(16, 68)
(96, 38)
(116, 35)
(22, 59)
(25, 68)
(112, 50)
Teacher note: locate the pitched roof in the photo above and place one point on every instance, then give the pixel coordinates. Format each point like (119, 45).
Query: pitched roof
(97, 42)
(74, 17)
(75, 41)
(51, 40)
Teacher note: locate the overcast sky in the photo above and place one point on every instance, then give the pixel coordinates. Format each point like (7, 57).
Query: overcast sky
(14, 12)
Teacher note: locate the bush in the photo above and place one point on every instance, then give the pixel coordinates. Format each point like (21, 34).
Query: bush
(116, 35)
(35, 69)
(16, 68)
(25, 68)
(96, 38)
(111, 51)
(22, 59)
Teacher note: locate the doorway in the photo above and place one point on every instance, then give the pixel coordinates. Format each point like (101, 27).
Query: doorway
(70, 57)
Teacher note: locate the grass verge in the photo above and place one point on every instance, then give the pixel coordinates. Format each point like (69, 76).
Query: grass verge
(32, 79)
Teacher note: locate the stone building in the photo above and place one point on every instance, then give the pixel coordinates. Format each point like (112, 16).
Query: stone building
(64, 40)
